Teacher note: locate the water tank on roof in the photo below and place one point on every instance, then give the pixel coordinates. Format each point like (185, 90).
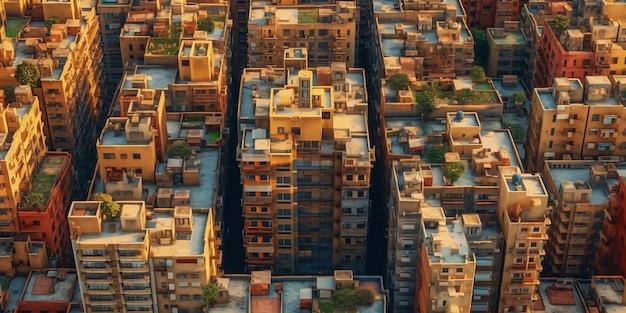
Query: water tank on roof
(459, 115)
(517, 179)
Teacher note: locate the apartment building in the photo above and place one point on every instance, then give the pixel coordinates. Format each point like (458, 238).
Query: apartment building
(577, 57)
(611, 249)
(572, 120)
(112, 17)
(327, 30)
(522, 217)
(19, 254)
(312, 122)
(47, 222)
(69, 65)
(447, 264)
(581, 190)
(52, 290)
(532, 19)
(507, 50)
(22, 150)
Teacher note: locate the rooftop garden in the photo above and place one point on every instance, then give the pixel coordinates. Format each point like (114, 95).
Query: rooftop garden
(46, 175)
(307, 17)
(167, 45)
(14, 26)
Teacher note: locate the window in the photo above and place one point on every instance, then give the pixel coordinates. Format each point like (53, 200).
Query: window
(283, 180)
(284, 228)
(295, 130)
(284, 257)
(445, 270)
(36, 223)
(595, 117)
(284, 243)
(459, 270)
(281, 130)
(109, 156)
(123, 156)
(284, 213)
(285, 197)
(326, 115)
(136, 156)
(185, 62)
(593, 131)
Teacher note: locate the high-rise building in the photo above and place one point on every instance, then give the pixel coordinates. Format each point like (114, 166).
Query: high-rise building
(305, 161)
(580, 190)
(327, 30)
(508, 51)
(161, 248)
(611, 258)
(524, 222)
(446, 263)
(572, 120)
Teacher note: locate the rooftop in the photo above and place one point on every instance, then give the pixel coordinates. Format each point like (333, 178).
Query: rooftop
(509, 38)
(447, 244)
(158, 77)
(556, 296)
(238, 295)
(580, 173)
(16, 287)
(51, 285)
(610, 291)
(46, 174)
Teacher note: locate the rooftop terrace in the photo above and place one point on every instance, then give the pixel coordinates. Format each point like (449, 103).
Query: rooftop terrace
(599, 193)
(451, 247)
(510, 38)
(558, 297)
(158, 77)
(46, 175)
(610, 290)
(51, 285)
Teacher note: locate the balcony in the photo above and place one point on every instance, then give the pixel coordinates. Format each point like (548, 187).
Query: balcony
(260, 200)
(259, 230)
(252, 260)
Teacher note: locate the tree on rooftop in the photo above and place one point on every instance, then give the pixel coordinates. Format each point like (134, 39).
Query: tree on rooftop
(9, 94)
(478, 73)
(179, 150)
(28, 74)
(210, 293)
(518, 98)
(110, 208)
(425, 100)
(454, 170)
(52, 20)
(206, 24)
(560, 23)
(399, 81)
(466, 96)
(33, 200)
(517, 131)
(436, 155)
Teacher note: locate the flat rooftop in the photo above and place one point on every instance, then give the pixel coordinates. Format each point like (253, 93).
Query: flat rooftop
(454, 246)
(238, 295)
(46, 174)
(558, 297)
(16, 287)
(289, 299)
(51, 285)
(510, 38)
(506, 90)
(158, 77)
(599, 193)
(610, 290)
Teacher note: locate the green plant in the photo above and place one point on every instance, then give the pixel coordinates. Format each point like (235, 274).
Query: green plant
(518, 98)
(347, 300)
(9, 94)
(399, 81)
(28, 74)
(466, 96)
(478, 73)
(179, 150)
(517, 131)
(110, 208)
(436, 155)
(206, 24)
(33, 200)
(210, 293)
(425, 99)
(481, 47)
(52, 20)
(454, 170)
(560, 23)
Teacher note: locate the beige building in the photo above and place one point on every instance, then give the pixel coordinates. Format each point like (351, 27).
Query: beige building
(508, 51)
(304, 151)
(572, 120)
(327, 30)
(447, 264)
(163, 247)
(581, 191)
(524, 223)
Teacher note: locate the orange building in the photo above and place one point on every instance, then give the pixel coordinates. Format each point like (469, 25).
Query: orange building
(53, 178)
(611, 258)
(485, 14)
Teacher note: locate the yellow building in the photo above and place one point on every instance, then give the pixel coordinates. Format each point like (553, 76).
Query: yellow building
(572, 120)
(127, 144)
(327, 30)
(447, 264)
(315, 126)
(22, 148)
(522, 218)
(163, 247)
